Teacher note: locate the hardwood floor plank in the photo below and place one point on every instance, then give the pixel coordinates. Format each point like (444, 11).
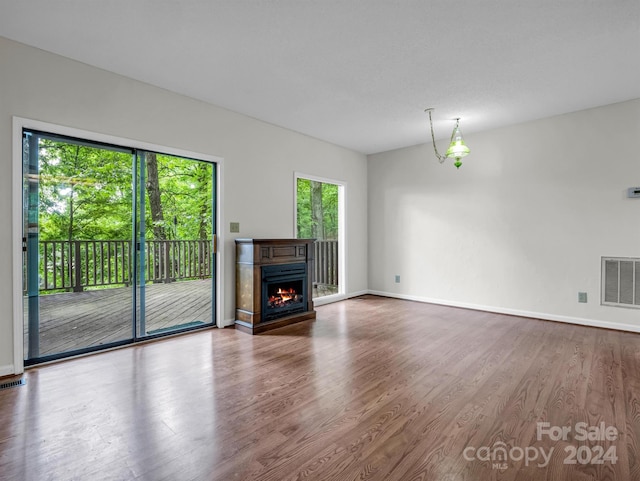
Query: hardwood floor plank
(373, 389)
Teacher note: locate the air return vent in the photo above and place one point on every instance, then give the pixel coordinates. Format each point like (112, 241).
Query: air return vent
(10, 384)
(621, 281)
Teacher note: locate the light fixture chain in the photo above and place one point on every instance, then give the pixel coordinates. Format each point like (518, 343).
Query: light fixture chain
(453, 132)
(441, 158)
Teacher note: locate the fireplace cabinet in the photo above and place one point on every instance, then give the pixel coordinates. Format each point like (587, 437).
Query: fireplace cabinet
(274, 285)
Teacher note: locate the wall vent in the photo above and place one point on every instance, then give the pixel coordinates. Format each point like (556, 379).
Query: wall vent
(621, 281)
(10, 384)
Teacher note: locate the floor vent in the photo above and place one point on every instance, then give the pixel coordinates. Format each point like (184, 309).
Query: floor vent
(10, 384)
(621, 281)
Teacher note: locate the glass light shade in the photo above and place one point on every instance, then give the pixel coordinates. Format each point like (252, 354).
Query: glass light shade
(457, 148)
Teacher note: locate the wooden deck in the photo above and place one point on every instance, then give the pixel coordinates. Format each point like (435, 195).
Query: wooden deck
(70, 321)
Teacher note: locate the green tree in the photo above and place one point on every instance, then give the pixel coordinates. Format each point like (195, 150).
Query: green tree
(154, 195)
(317, 212)
(317, 207)
(85, 192)
(186, 198)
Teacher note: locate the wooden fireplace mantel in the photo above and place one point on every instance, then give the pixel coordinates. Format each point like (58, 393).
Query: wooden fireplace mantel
(251, 256)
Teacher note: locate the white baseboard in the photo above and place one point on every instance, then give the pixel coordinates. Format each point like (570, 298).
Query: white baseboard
(228, 322)
(359, 293)
(321, 301)
(7, 370)
(514, 312)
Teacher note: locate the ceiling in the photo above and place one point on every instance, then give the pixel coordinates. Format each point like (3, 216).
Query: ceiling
(357, 73)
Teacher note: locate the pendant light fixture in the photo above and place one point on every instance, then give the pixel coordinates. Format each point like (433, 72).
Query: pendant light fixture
(457, 148)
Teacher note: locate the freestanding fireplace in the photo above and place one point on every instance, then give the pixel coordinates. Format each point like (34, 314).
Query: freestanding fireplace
(273, 283)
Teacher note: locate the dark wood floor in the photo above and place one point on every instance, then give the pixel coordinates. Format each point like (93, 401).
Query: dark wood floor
(375, 389)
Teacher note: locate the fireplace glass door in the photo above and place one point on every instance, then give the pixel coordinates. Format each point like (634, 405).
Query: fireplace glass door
(284, 290)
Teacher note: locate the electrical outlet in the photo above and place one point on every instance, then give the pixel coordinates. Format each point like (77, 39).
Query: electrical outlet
(234, 226)
(582, 297)
(397, 279)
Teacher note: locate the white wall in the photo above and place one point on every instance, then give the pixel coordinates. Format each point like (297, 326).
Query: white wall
(259, 158)
(521, 227)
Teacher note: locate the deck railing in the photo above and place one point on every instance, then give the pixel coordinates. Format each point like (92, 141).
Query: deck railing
(325, 272)
(75, 265)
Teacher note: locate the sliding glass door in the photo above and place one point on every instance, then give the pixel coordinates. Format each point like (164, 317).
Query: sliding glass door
(176, 243)
(118, 245)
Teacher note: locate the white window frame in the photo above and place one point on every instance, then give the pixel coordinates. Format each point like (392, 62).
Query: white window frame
(19, 124)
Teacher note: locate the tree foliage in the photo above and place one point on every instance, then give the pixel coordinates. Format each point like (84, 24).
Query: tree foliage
(317, 207)
(86, 193)
(186, 193)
